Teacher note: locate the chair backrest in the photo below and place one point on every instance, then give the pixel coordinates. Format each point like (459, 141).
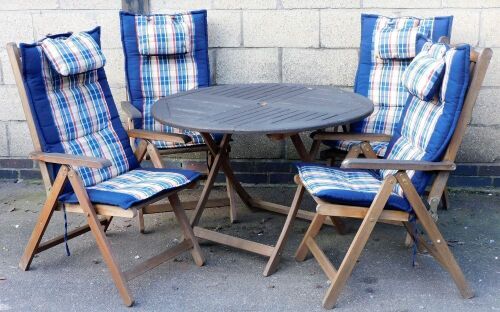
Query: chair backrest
(72, 113)
(387, 48)
(433, 130)
(164, 54)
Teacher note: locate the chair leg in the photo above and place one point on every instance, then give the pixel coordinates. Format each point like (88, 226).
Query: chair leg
(233, 213)
(445, 199)
(187, 230)
(358, 243)
(43, 219)
(100, 236)
(272, 263)
(108, 223)
(140, 220)
(438, 243)
(312, 232)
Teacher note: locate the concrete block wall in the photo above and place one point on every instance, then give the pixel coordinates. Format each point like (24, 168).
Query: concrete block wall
(296, 41)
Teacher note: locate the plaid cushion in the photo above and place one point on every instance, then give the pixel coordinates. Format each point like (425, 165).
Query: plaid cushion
(427, 126)
(73, 55)
(387, 46)
(378, 147)
(176, 68)
(344, 186)
(393, 43)
(423, 76)
(76, 114)
(135, 186)
(385, 90)
(164, 34)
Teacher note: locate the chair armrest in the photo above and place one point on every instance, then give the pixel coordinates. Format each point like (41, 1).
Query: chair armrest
(159, 136)
(130, 110)
(72, 160)
(369, 137)
(392, 164)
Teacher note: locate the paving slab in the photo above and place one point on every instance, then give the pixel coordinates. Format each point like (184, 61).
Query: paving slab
(231, 280)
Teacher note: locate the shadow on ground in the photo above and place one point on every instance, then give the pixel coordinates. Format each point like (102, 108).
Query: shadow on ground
(231, 280)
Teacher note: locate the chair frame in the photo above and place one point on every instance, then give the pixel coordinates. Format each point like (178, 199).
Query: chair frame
(437, 246)
(98, 226)
(133, 113)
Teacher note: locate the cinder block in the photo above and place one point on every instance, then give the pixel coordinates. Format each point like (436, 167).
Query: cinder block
(490, 34)
(90, 4)
(244, 4)
(53, 22)
(19, 5)
(211, 61)
(255, 146)
(115, 67)
(10, 104)
(4, 145)
(401, 4)
(19, 139)
(168, 5)
(16, 27)
(320, 4)
(224, 28)
(471, 4)
(480, 144)
(320, 67)
(291, 151)
(470, 182)
(281, 28)
(247, 65)
(465, 22)
(487, 110)
(333, 24)
(493, 74)
(6, 68)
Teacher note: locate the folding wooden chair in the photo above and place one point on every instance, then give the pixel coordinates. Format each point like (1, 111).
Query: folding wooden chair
(85, 158)
(425, 144)
(380, 67)
(164, 55)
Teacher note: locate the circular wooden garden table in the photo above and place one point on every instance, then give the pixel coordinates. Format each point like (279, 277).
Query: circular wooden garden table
(276, 110)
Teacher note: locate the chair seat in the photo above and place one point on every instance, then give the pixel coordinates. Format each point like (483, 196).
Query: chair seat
(378, 147)
(347, 186)
(135, 186)
(196, 140)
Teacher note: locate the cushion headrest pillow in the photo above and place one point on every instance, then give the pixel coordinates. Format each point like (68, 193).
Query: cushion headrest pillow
(73, 55)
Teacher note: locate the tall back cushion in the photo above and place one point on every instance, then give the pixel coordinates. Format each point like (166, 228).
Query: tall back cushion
(387, 48)
(164, 54)
(426, 127)
(75, 113)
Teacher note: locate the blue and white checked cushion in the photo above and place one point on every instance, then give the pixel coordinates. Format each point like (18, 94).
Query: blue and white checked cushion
(423, 76)
(378, 147)
(76, 54)
(345, 186)
(164, 34)
(135, 186)
(82, 119)
(379, 79)
(427, 126)
(159, 74)
(394, 43)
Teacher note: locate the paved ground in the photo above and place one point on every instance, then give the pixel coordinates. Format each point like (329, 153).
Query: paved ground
(384, 279)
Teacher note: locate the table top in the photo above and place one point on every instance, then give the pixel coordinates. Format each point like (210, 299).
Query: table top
(261, 108)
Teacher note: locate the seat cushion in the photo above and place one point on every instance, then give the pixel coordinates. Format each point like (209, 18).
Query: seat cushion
(196, 140)
(378, 147)
(347, 186)
(135, 186)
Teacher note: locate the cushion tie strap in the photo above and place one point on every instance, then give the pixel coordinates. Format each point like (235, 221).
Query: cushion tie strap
(68, 253)
(414, 248)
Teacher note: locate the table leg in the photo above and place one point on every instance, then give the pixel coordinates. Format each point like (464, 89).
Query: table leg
(219, 152)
